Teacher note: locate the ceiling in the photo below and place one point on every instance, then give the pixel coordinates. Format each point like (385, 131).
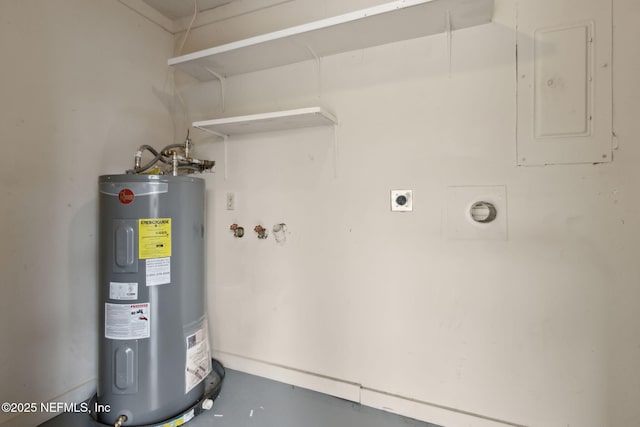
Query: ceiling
(176, 9)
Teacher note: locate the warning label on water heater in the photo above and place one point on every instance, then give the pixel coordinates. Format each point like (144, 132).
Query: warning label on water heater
(198, 358)
(127, 321)
(154, 238)
(119, 290)
(158, 271)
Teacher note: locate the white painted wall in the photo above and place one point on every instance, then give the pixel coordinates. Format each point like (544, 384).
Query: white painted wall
(81, 87)
(540, 330)
(623, 286)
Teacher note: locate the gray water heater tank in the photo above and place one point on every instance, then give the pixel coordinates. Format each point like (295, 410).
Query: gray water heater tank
(154, 349)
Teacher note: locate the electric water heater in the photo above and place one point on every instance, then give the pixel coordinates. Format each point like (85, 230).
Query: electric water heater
(154, 349)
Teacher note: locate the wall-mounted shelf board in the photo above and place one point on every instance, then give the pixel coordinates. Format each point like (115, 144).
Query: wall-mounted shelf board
(267, 122)
(378, 25)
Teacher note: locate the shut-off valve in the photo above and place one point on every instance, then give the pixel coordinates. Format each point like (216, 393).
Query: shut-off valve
(174, 159)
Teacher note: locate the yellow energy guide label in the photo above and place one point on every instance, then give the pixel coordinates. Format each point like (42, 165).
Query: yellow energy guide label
(154, 238)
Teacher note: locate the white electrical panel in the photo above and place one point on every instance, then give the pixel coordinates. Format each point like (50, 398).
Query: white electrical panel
(564, 82)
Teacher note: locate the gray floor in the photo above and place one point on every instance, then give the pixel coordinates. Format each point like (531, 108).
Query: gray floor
(248, 400)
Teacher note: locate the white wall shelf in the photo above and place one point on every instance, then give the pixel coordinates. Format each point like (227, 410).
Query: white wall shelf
(378, 25)
(268, 122)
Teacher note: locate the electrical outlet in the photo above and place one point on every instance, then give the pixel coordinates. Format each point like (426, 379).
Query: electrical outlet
(231, 201)
(401, 200)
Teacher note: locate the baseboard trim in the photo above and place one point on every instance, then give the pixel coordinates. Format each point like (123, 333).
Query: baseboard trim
(309, 380)
(352, 391)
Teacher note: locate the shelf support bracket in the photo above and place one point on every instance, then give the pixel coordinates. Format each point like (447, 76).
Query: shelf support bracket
(319, 69)
(225, 138)
(226, 157)
(449, 35)
(335, 150)
(221, 79)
